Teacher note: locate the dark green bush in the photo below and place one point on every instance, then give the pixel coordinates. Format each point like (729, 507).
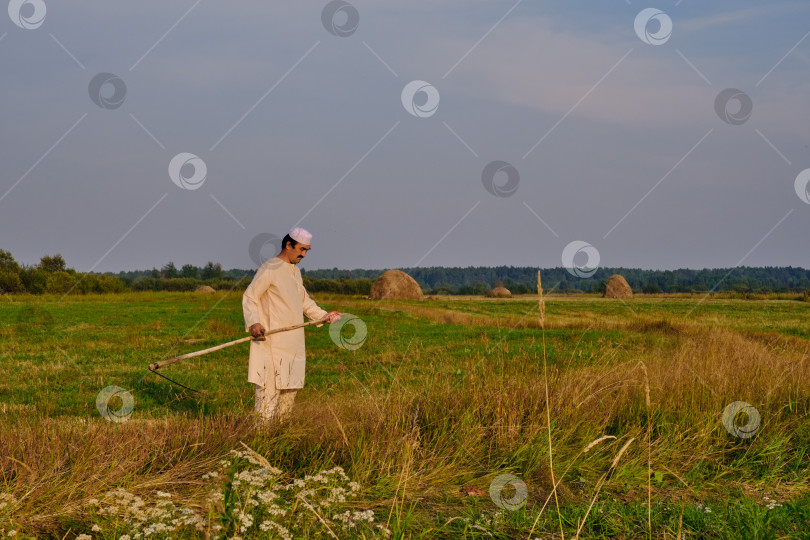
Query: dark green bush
(10, 282)
(60, 282)
(147, 284)
(34, 280)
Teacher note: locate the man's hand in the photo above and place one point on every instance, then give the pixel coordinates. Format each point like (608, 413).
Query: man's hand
(256, 330)
(332, 316)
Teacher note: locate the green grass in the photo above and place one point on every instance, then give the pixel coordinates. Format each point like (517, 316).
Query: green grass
(444, 396)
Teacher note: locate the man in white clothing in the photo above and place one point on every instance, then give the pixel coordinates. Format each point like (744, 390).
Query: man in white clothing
(276, 298)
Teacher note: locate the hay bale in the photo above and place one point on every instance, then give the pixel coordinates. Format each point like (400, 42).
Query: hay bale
(395, 285)
(617, 287)
(206, 289)
(500, 292)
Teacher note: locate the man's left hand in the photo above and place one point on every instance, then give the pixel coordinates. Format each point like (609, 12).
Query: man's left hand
(332, 316)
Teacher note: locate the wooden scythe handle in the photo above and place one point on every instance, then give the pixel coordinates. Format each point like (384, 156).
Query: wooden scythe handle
(158, 365)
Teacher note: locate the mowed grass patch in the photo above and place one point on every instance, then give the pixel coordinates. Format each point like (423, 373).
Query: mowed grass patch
(424, 416)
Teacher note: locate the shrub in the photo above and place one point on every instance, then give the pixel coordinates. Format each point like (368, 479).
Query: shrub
(52, 264)
(442, 289)
(651, 288)
(110, 284)
(179, 284)
(34, 280)
(146, 284)
(60, 282)
(10, 282)
(88, 283)
(223, 284)
(7, 262)
(364, 285)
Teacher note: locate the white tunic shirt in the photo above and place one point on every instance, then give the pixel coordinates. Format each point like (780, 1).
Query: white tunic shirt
(276, 298)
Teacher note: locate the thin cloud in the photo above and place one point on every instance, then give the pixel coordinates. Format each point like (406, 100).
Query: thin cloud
(733, 17)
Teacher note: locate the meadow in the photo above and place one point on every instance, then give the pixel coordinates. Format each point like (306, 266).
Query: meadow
(458, 417)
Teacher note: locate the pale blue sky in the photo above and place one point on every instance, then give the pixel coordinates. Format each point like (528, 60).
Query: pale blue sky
(299, 126)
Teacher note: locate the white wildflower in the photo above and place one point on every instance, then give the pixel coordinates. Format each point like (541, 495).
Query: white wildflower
(216, 496)
(95, 528)
(770, 504)
(267, 497)
(245, 519)
(12, 533)
(276, 510)
(267, 525)
(84, 537)
(256, 478)
(350, 519)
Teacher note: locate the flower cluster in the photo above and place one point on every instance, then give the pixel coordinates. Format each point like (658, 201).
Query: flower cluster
(349, 520)
(143, 520)
(770, 504)
(7, 502)
(485, 521)
(254, 499)
(246, 497)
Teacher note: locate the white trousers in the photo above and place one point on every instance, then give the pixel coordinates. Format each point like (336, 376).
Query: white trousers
(272, 403)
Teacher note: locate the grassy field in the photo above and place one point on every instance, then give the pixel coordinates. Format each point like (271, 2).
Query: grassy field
(456, 418)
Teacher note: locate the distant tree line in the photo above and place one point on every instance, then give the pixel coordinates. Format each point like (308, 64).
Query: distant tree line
(522, 280)
(53, 276)
(187, 278)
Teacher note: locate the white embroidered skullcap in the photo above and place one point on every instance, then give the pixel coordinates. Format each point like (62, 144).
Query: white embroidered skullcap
(301, 235)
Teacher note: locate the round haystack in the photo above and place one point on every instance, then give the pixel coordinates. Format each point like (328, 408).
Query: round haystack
(395, 285)
(617, 287)
(206, 289)
(500, 292)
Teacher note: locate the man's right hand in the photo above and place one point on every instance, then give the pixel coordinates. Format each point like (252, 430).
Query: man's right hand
(256, 330)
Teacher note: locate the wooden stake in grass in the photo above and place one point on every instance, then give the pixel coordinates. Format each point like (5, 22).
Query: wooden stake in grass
(649, 448)
(548, 411)
(542, 304)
